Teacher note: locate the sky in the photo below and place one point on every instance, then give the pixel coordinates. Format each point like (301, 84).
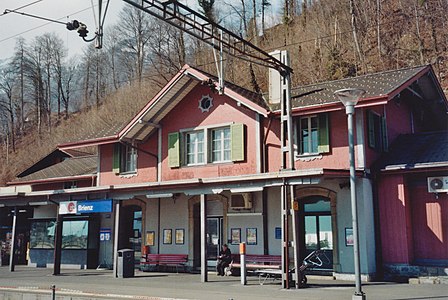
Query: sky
(13, 25)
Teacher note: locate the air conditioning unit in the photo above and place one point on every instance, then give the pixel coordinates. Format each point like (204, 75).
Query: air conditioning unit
(241, 201)
(438, 184)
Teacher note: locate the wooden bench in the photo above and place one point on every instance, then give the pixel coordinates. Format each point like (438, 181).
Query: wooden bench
(256, 262)
(164, 260)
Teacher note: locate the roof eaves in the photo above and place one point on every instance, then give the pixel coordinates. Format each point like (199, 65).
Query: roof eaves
(414, 166)
(336, 105)
(151, 103)
(53, 179)
(87, 143)
(405, 83)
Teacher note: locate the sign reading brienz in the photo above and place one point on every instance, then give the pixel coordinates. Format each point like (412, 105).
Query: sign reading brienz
(85, 207)
(94, 206)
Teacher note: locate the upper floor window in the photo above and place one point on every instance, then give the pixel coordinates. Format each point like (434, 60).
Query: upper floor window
(220, 144)
(377, 131)
(313, 136)
(124, 159)
(129, 159)
(206, 145)
(195, 147)
(70, 185)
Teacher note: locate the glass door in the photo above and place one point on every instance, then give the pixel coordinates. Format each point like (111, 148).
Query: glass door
(136, 239)
(318, 234)
(214, 238)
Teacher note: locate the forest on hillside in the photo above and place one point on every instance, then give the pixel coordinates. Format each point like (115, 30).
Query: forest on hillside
(47, 96)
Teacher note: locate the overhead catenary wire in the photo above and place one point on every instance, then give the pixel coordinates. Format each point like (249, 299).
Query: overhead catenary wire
(94, 14)
(37, 27)
(266, 49)
(33, 16)
(23, 6)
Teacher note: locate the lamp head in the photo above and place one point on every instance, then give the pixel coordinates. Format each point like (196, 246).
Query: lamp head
(349, 97)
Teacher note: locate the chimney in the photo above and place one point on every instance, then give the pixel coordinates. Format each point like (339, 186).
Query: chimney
(275, 81)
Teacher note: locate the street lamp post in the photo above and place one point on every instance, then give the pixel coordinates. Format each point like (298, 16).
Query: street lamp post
(349, 97)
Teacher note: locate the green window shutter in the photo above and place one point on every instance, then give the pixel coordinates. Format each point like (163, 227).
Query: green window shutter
(173, 150)
(384, 134)
(237, 150)
(324, 139)
(371, 129)
(116, 158)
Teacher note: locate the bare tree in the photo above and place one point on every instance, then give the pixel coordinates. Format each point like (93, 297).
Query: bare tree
(135, 28)
(264, 5)
(18, 62)
(355, 34)
(208, 9)
(7, 81)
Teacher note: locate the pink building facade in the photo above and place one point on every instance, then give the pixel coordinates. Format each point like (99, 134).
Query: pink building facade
(190, 146)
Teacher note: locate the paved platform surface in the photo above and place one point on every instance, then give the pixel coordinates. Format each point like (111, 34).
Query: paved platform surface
(100, 284)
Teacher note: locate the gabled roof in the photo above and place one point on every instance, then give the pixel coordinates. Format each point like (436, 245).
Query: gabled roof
(380, 87)
(108, 134)
(143, 124)
(148, 119)
(73, 167)
(416, 151)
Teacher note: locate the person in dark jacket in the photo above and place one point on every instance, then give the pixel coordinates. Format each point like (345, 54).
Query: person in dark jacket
(224, 259)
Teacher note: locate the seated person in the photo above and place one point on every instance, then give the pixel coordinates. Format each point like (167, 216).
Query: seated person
(224, 259)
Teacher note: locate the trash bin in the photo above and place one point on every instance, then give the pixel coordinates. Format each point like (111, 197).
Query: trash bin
(125, 264)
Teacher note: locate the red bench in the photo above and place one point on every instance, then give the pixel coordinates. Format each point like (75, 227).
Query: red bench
(257, 262)
(164, 260)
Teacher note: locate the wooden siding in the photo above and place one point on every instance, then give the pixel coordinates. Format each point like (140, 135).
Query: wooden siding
(430, 224)
(394, 226)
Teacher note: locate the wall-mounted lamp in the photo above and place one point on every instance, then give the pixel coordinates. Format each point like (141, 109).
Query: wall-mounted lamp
(154, 196)
(38, 203)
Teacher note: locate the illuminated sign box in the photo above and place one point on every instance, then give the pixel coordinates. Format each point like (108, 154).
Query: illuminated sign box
(85, 207)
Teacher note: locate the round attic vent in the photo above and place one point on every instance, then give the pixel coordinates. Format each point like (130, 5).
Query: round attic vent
(205, 103)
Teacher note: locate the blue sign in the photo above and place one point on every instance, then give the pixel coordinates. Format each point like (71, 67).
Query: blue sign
(278, 233)
(94, 206)
(105, 234)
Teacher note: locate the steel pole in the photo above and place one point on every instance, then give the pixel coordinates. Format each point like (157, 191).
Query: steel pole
(204, 265)
(12, 250)
(58, 245)
(350, 111)
(116, 237)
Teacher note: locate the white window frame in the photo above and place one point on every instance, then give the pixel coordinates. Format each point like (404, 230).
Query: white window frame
(128, 159)
(196, 146)
(221, 140)
(207, 146)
